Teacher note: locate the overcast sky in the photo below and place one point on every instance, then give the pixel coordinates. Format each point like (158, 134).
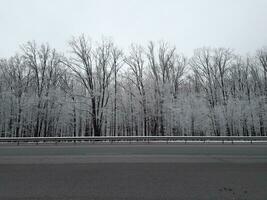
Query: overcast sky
(189, 24)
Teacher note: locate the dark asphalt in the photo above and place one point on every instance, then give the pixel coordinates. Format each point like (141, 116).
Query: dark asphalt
(134, 172)
(135, 149)
(134, 181)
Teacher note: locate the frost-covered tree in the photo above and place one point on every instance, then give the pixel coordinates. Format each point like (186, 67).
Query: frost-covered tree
(97, 89)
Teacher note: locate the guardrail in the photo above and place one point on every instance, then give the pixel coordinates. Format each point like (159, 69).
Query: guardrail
(147, 139)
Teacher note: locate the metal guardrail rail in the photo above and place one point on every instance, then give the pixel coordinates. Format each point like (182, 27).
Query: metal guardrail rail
(148, 139)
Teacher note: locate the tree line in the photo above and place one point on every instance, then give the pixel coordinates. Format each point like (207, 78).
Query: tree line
(97, 89)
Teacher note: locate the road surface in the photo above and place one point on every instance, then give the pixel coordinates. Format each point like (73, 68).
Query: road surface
(153, 171)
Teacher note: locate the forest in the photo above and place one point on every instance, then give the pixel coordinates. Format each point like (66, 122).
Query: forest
(96, 88)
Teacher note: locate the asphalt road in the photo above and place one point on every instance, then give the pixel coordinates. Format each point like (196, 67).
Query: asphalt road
(134, 172)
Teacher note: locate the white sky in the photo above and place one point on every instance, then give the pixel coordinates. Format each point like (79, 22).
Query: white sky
(189, 24)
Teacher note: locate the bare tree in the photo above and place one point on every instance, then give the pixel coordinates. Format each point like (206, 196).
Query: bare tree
(167, 69)
(136, 62)
(93, 67)
(202, 65)
(117, 58)
(44, 63)
(17, 75)
(262, 56)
